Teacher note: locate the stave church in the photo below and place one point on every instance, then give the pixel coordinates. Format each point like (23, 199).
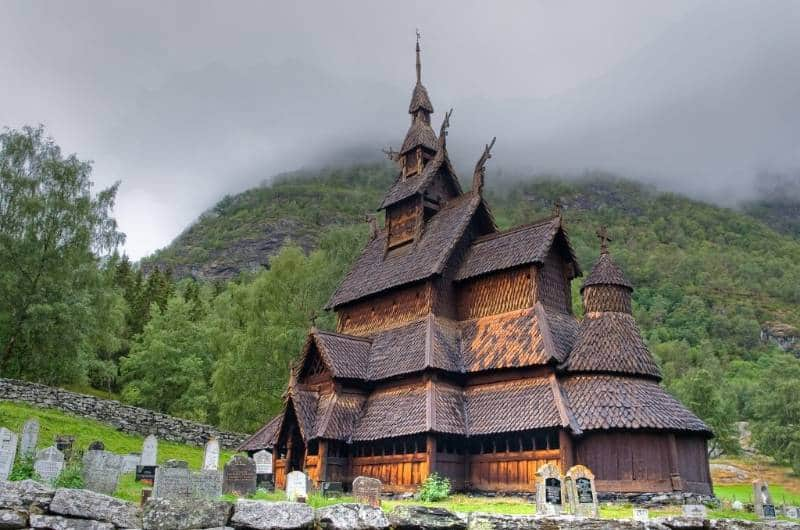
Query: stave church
(457, 352)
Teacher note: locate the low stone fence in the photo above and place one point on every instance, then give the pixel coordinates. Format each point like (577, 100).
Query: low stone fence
(28, 504)
(128, 419)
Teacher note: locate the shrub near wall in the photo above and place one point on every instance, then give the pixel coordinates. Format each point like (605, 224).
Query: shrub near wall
(128, 419)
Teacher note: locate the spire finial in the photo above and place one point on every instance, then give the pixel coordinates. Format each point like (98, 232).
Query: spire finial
(479, 175)
(419, 63)
(605, 239)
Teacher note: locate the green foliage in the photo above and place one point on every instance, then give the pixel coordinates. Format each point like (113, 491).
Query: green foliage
(23, 468)
(54, 304)
(435, 488)
(70, 477)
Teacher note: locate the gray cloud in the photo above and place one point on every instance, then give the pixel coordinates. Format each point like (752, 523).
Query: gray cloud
(186, 101)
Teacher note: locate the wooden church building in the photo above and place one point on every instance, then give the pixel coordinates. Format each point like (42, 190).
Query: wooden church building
(457, 352)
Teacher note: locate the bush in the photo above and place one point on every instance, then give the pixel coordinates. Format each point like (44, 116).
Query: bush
(70, 477)
(23, 469)
(435, 488)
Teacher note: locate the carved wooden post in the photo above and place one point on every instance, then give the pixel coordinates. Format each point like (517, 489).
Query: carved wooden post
(567, 450)
(674, 471)
(322, 462)
(430, 451)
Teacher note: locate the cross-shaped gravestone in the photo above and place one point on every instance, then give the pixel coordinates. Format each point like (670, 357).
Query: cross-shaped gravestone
(49, 463)
(581, 491)
(211, 455)
(8, 451)
(549, 490)
(30, 437)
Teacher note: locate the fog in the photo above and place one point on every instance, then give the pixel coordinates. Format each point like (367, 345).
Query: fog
(184, 102)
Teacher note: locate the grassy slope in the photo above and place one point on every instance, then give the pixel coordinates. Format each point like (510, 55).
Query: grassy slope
(53, 423)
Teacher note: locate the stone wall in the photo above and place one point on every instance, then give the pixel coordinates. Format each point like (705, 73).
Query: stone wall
(28, 504)
(131, 420)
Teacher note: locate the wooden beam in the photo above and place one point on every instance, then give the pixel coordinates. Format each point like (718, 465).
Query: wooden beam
(674, 469)
(430, 452)
(567, 449)
(322, 466)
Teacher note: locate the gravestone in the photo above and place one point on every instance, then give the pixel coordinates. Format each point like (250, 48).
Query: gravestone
(641, 515)
(146, 470)
(206, 484)
(149, 451)
(8, 451)
(211, 455)
(130, 462)
(97, 445)
(101, 471)
(367, 490)
(695, 510)
(263, 460)
(172, 480)
(30, 437)
(296, 486)
(549, 490)
(64, 443)
(792, 512)
(239, 476)
(581, 491)
(762, 500)
(49, 463)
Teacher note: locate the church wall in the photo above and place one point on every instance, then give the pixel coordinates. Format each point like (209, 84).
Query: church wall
(627, 462)
(402, 220)
(496, 293)
(402, 464)
(692, 452)
(553, 288)
(389, 310)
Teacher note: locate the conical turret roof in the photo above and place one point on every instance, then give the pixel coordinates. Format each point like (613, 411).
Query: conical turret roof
(606, 272)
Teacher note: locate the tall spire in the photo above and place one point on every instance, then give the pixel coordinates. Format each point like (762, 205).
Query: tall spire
(605, 239)
(419, 62)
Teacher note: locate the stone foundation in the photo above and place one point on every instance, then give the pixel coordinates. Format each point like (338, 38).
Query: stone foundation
(128, 419)
(28, 504)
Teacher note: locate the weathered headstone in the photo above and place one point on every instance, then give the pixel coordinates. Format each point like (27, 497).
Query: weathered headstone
(101, 471)
(698, 511)
(367, 490)
(211, 455)
(641, 515)
(30, 437)
(149, 451)
(172, 480)
(8, 451)
(206, 484)
(263, 460)
(146, 470)
(549, 490)
(64, 443)
(792, 512)
(130, 462)
(97, 445)
(297, 486)
(49, 463)
(581, 491)
(762, 500)
(239, 476)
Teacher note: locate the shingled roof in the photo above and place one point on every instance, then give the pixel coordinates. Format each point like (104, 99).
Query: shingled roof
(264, 438)
(402, 188)
(511, 248)
(614, 402)
(420, 100)
(510, 406)
(516, 339)
(420, 133)
(345, 355)
(427, 257)
(606, 272)
(337, 414)
(610, 342)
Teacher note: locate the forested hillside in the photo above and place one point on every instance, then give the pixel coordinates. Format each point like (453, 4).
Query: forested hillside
(218, 350)
(708, 279)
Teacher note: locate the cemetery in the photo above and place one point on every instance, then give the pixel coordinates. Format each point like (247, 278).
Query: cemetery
(219, 488)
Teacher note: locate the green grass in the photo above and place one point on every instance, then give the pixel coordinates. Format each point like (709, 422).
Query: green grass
(744, 493)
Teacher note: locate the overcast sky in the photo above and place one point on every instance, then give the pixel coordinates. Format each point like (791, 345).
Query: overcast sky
(186, 101)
